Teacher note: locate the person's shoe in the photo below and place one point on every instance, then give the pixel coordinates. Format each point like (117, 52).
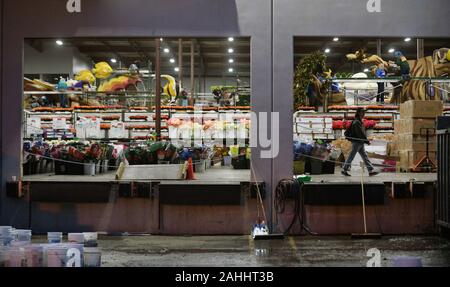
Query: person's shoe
(373, 173)
(345, 173)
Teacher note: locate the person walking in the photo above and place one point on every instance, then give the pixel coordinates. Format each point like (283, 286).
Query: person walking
(357, 135)
(380, 73)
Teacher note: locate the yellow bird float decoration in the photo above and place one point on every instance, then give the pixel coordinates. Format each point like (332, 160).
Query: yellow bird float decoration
(102, 70)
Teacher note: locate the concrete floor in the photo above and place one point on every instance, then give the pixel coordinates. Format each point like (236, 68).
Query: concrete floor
(225, 175)
(235, 251)
(216, 174)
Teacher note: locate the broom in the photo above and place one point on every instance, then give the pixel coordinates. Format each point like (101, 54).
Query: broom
(364, 235)
(266, 235)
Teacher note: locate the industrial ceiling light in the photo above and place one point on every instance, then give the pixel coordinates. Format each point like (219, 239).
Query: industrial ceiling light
(230, 50)
(166, 50)
(407, 39)
(172, 60)
(327, 50)
(177, 69)
(391, 50)
(230, 61)
(230, 70)
(231, 39)
(335, 39)
(113, 60)
(59, 42)
(366, 70)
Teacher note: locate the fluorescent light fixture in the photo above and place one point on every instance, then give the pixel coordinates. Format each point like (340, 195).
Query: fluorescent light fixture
(230, 50)
(231, 39)
(166, 50)
(327, 50)
(172, 60)
(113, 60)
(230, 70)
(335, 39)
(391, 50)
(177, 69)
(366, 70)
(59, 42)
(407, 39)
(230, 61)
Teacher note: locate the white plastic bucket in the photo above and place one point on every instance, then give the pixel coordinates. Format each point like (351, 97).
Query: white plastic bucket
(199, 166)
(76, 238)
(6, 235)
(3, 257)
(92, 257)
(89, 168)
(98, 168)
(34, 256)
(16, 257)
(24, 235)
(54, 237)
(208, 163)
(5, 230)
(105, 166)
(56, 255)
(227, 160)
(90, 239)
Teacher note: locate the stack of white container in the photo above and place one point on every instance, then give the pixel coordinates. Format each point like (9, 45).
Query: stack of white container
(16, 249)
(309, 128)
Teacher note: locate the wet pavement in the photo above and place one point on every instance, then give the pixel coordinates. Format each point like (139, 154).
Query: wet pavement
(236, 251)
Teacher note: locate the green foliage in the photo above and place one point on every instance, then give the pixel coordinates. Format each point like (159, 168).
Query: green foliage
(308, 66)
(344, 75)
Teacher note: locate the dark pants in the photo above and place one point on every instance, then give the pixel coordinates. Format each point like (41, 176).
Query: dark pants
(380, 94)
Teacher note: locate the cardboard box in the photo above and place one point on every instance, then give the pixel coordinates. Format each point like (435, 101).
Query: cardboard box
(408, 159)
(392, 148)
(416, 143)
(421, 109)
(413, 126)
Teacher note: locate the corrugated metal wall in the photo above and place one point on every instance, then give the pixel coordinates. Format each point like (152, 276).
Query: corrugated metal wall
(443, 200)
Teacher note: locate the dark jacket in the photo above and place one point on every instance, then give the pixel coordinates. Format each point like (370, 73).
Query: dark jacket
(358, 132)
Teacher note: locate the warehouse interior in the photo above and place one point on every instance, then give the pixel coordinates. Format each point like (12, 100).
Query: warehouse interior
(205, 89)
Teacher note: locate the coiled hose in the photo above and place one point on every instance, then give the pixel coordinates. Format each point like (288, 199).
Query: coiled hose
(294, 187)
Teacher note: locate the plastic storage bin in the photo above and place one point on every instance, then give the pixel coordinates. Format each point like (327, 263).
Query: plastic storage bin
(199, 166)
(54, 237)
(56, 255)
(328, 167)
(90, 239)
(3, 256)
(76, 238)
(16, 257)
(23, 235)
(34, 256)
(92, 257)
(316, 166)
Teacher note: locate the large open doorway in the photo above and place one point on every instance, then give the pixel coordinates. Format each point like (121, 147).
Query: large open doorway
(137, 108)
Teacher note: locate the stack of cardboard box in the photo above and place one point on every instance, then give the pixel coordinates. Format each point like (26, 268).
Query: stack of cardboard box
(411, 140)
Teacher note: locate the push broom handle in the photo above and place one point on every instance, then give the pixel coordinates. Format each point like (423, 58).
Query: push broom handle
(362, 193)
